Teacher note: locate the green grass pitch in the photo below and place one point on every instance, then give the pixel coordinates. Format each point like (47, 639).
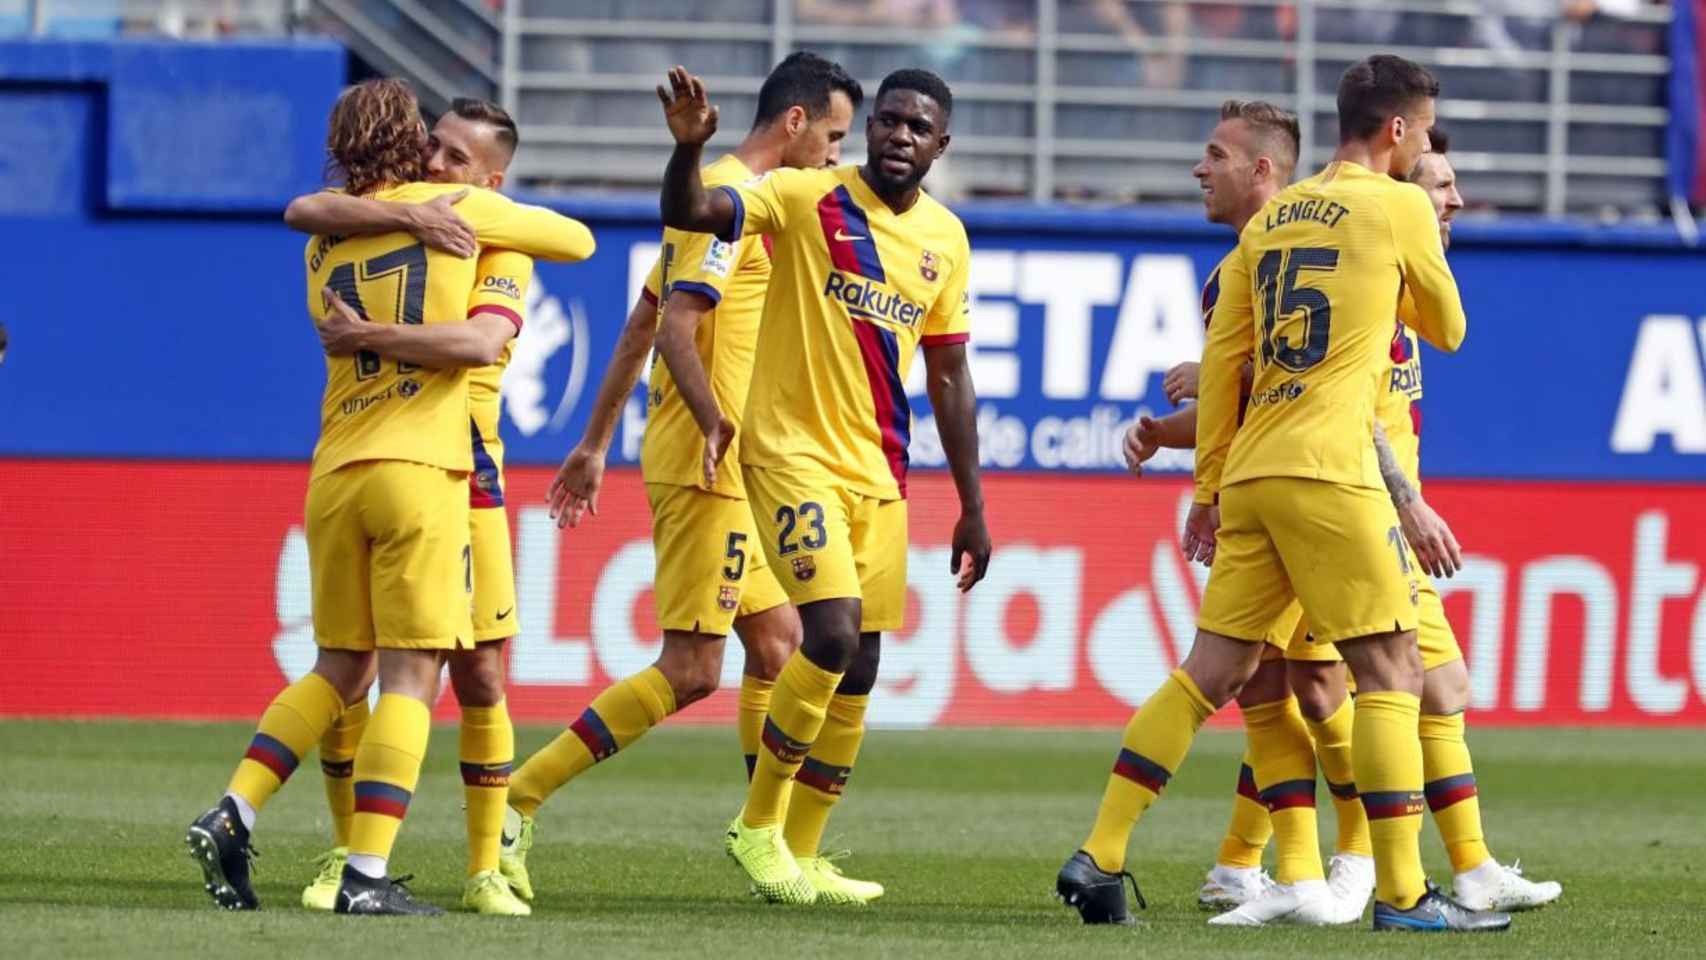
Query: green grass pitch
(966, 828)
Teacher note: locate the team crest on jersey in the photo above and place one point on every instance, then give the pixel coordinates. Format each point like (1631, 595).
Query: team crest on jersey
(728, 598)
(805, 568)
(408, 388)
(930, 266)
(503, 286)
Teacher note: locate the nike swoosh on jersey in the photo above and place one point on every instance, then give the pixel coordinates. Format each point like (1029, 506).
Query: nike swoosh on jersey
(843, 237)
(504, 614)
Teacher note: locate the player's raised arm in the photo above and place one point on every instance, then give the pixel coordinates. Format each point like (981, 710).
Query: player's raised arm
(1438, 316)
(334, 213)
(575, 490)
(684, 201)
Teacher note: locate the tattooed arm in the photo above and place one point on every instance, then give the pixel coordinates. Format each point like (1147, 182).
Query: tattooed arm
(1427, 533)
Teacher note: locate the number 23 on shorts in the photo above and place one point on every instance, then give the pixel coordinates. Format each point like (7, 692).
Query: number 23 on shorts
(814, 537)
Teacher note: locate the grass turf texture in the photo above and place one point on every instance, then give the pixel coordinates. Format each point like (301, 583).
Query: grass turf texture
(966, 829)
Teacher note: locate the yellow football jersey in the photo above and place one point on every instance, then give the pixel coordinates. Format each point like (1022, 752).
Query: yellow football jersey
(1310, 299)
(854, 289)
(733, 277)
(1396, 408)
(376, 409)
(504, 276)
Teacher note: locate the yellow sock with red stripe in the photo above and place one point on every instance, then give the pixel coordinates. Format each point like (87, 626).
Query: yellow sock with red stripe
(823, 776)
(754, 705)
(1333, 748)
(487, 753)
(1388, 759)
(1284, 763)
(797, 709)
(1449, 782)
(337, 766)
(295, 720)
(387, 768)
(1247, 835)
(615, 718)
(1155, 743)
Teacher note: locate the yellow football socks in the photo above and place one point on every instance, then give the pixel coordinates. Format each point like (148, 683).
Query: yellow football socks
(1155, 743)
(1450, 787)
(823, 776)
(1333, 748)
(615, 718)
(296, 720)
(337, 765)
(387, 768)
(1247, 835)
(754, 706)
(1388, 764)
(1284, 763)
(488, 751)
(797, 709)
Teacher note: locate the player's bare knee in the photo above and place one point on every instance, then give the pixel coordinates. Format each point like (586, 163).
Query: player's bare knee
(1319, 688)
(1266, 685)
(769, 638)
(1385, 663)
(410, 673)
(477, 675)
(1445, 689)
(692, 665)
(861, 675)
(350, 672)
(1220, 666)
(830, 633)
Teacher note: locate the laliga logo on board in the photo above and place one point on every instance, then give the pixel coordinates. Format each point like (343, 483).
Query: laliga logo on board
(550, 329)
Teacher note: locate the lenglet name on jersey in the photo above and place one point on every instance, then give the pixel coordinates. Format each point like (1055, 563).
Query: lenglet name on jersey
(865, 299)
(1325, 212)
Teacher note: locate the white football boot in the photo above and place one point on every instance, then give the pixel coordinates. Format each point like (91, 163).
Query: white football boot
(1351, 878)
(1494, 886)
(1229, 887)
(1307, 902)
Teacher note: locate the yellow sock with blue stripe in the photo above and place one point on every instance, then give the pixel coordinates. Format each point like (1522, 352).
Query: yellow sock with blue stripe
(797, 709)
(615, 718)
(337, 767)
(487, 753)
(1248, 832)
(295, 720)
(1333, 749)
(387, 769)
(823, 776)
(1388, 758)
(1284, 762)
(754, 706)
(1450, 787)
(1155, 743)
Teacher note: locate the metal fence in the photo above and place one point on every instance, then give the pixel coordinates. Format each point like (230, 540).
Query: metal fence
(1101, 100)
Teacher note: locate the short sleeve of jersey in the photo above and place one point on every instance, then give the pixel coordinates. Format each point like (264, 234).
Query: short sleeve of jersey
(500, 285)
(698, 263)
(761, 204)
(949, 320)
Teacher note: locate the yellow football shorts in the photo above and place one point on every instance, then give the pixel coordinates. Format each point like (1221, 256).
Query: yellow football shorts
(1334, 547)
(388, 557)
(711, 567)
(1434, 635)
(828, 542)
(494, 575)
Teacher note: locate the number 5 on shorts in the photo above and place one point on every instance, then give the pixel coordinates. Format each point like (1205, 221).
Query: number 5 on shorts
(736, 566)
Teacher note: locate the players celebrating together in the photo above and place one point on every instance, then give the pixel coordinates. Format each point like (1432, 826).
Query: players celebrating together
(786, 308)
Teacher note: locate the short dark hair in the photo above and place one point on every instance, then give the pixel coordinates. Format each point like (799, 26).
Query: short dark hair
(1439, 141)
(920, 81)
(1276, 128)
(487, 112)
(806, 80)
(1377, 89)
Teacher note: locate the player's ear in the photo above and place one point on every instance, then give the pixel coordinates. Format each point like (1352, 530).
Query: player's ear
(942, 145)
(795, 120)
(1264, 168)
(494, 180)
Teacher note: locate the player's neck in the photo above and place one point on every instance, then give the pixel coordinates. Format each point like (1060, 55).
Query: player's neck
(899, 203)
(759, 152)
(1364, 154)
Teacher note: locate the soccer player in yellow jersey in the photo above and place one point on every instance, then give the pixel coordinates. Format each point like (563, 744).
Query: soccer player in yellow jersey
(1290, 504)
(1480, 881)
(471, 144)
(711, 568)
(865, 268)
(387, 509)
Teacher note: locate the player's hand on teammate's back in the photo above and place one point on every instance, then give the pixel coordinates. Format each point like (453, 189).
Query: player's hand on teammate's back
(716, 447)
(691, 116)
(437, 224)
(1142, 439)
(1431, 538)
(341, 330)
(1201, 524)
(1180, 383)
(969, 558)
(575, 490)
